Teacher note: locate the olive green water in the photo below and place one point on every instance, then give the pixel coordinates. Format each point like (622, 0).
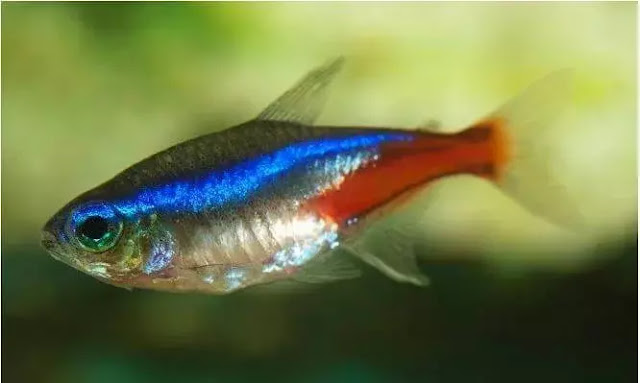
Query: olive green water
(90, 89)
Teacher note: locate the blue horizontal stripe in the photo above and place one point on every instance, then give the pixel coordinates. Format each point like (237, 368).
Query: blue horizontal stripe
(239, 182)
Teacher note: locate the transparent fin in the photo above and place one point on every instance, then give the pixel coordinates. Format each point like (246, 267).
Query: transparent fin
(279, 287)
(304, 101)
(432, 126)
(326, 268)
(331, 267)
(389, 248)
(128, 288)
(528, 171)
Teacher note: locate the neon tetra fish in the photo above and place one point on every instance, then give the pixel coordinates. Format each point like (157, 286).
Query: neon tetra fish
(277, 199)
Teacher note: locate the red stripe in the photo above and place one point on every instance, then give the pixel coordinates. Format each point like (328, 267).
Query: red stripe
(403, 166)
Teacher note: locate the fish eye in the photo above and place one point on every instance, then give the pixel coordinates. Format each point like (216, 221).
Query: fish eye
(98, 234)
(97, 229)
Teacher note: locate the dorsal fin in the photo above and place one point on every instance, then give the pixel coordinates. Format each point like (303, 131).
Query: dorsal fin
(303, 102)
(431, 126)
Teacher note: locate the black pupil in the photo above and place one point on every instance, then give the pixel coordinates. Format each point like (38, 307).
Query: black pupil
(94, 227)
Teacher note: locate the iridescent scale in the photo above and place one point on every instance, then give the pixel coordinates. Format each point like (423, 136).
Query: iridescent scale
(254, 214)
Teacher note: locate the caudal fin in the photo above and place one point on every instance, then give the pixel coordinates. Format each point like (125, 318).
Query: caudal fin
(524, 166)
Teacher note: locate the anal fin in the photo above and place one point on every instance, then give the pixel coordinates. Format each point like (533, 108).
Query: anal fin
(329, 267)
(391, 251)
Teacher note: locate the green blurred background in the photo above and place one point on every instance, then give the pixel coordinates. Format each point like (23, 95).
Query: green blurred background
(90, 89)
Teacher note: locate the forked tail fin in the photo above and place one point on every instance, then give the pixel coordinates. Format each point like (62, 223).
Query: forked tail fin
(522, 155)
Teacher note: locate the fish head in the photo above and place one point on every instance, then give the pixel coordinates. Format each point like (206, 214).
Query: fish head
(92, 236)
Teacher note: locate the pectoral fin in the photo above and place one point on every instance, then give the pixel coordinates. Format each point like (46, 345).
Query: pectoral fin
(330, 267)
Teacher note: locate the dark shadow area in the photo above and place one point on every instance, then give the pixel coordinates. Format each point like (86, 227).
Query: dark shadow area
(470, 325)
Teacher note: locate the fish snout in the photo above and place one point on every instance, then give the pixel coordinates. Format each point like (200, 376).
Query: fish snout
(48, 240)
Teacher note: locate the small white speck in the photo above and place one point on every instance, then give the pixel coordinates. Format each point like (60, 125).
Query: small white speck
(98, 270)
(234, 278)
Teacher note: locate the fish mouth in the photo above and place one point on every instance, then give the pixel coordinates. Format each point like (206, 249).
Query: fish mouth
(49, 242)
(98, 270)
